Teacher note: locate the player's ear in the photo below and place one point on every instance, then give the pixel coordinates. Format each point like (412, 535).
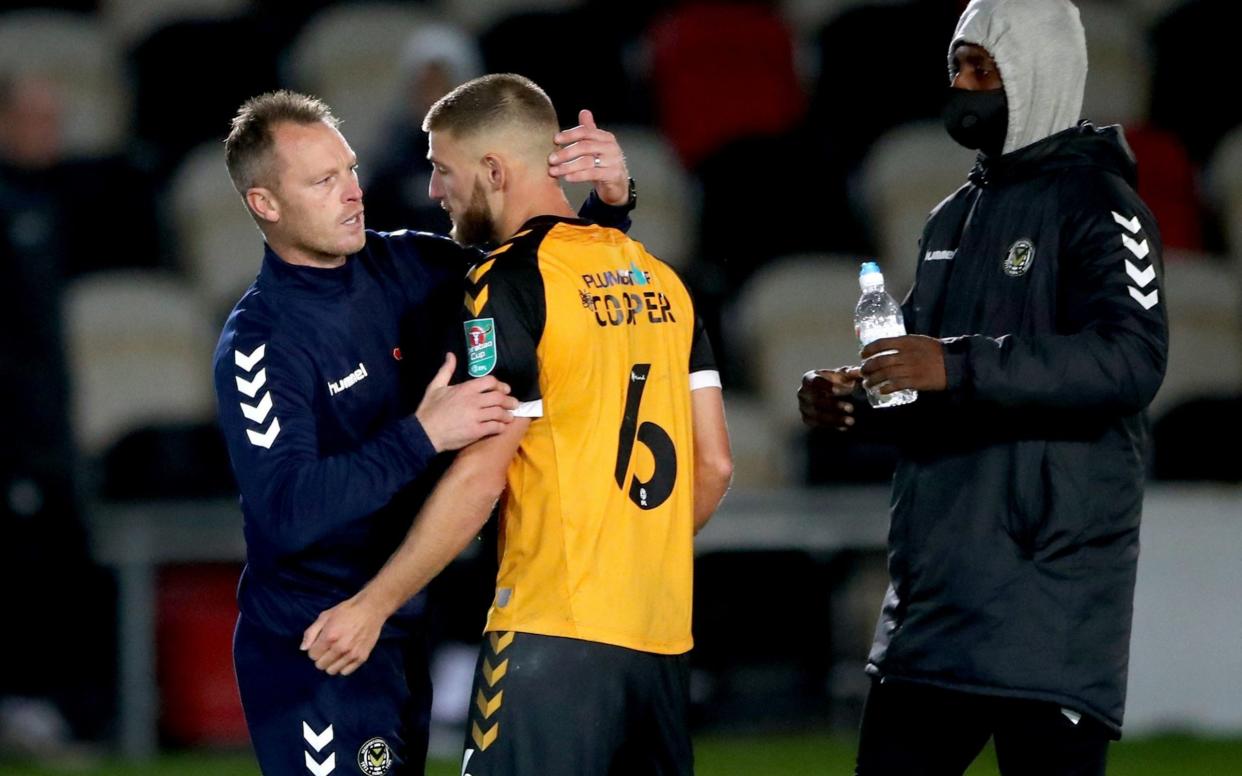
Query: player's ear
(263, 204)
(495, 171)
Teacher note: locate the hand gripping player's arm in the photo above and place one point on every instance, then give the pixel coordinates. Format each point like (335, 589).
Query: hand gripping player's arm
(342, 638)
(455, 416)
(296, 496)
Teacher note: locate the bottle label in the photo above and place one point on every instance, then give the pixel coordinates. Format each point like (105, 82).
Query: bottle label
(871, 333)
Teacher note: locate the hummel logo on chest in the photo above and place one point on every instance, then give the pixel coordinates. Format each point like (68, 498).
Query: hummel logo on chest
(349, 380)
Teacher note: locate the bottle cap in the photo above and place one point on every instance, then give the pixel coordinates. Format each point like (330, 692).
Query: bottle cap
(869, 275)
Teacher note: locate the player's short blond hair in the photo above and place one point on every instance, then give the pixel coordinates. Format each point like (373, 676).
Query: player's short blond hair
(251, 141)
(500, 100)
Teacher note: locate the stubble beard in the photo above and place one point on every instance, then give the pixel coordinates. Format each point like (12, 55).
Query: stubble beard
(474, 226)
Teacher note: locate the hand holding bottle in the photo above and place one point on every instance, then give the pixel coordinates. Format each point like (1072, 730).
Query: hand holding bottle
(911, 363)
(878, 318)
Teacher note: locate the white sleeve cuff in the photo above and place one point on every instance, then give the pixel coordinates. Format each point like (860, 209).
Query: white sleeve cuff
(529, 409)
(707, 378)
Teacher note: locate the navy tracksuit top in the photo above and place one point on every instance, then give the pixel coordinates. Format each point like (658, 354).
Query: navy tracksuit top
(317, 374)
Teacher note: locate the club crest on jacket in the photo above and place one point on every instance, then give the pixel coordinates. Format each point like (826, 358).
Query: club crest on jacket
(375, 757)
(1018, 260)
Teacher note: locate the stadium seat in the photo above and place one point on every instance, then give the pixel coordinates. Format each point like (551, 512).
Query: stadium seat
(218, 244)
(908, 172)
(795, 314)
(763, 451)
(85, 61)
(1119, 72)
(350, 56)
(667, 195)
(1205, 331)
(140, 346)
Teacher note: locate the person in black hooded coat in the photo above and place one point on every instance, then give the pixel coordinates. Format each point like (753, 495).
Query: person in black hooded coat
(1037, 339)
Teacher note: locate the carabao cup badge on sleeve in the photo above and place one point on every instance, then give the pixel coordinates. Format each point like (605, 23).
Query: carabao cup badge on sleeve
(480, 346)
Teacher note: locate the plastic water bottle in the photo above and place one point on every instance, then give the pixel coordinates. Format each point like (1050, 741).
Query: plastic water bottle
(877, 316)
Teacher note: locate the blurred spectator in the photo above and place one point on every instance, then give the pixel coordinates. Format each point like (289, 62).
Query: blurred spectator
(31, 138)
(42, 543)
(94, 195)
(36, 454)
(436, 59)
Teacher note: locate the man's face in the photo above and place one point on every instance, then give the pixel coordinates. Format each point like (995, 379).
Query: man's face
(974, 69)
(316, 186)
(457, 184)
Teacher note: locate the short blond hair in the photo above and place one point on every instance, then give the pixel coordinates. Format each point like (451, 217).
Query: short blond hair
(248, 148)
(491, 102)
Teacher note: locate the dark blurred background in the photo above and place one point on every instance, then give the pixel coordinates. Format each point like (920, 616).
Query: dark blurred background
(776, 145)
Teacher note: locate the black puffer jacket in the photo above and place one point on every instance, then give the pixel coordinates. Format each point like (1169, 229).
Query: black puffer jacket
(1016, 502)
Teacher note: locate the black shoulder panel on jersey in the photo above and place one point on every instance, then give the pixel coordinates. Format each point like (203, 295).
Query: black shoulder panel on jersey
(505, 312)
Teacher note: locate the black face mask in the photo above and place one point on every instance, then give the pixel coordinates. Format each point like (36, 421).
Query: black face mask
(977, 120)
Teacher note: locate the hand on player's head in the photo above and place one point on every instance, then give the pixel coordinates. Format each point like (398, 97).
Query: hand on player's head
(589, 153)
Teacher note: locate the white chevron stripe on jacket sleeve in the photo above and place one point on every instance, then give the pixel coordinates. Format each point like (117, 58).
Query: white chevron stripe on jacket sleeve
(247, 362)
(265, 439)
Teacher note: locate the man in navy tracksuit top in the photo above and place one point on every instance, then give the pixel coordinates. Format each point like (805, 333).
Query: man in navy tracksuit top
(318, 374)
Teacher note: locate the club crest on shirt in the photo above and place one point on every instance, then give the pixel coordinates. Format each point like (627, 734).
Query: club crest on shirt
(375, 757)
(480, 346)
(1018, 260)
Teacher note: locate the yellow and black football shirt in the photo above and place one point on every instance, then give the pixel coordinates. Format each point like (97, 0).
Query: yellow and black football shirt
(599, 341)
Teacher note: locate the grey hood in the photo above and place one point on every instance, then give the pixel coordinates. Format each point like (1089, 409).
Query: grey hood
(1041, 52)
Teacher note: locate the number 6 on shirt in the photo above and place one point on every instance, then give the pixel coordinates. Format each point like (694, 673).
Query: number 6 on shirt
(655, 491)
